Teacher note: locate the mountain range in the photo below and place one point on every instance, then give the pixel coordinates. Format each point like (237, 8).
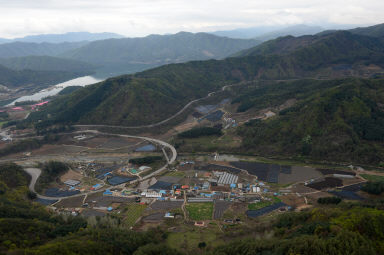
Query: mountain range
(119, 56)
(270, 32)
(111, 57)
(61, 38)
(155, 94)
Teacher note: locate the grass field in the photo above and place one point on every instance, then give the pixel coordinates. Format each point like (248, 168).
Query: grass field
(370, 177)
(132, 212)
(200, 211)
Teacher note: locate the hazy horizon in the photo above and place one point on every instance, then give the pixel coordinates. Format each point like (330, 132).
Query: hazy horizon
(140, 18)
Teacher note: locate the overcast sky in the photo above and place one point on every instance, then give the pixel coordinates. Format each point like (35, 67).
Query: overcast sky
(142, 17)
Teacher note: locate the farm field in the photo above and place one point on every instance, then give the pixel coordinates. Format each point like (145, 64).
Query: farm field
(220, 208)
(200, 211)
(132, 213)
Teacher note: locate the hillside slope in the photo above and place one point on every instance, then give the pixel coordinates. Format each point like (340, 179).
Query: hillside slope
(374, 31)
(156, 94)
(340, 43)
(340, 120)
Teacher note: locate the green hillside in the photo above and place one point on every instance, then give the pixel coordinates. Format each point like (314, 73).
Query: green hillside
(156, 94)
(339, 45)
(20, 49)
(337, 120)
(13, 79)
(374, 31)
(47, 63)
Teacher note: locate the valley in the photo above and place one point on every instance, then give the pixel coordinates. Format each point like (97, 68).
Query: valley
(274, 147)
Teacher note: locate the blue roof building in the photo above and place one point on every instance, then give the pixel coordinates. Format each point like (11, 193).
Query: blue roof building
(107, 192)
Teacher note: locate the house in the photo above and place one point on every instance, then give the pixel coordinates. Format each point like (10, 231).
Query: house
(96, 186)
(169, 215)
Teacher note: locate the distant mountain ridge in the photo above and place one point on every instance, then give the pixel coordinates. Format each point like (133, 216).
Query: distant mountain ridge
(22, 49)
(270, 32)
(129, 55)
(47, 63)
(66, 37)
(133, 54)
(14, 79)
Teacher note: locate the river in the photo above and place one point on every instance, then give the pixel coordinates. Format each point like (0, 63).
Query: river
(53, 90)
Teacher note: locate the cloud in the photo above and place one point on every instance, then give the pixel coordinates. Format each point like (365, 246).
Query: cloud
(142, 17)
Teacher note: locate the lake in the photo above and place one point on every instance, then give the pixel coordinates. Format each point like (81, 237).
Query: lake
(53, 90)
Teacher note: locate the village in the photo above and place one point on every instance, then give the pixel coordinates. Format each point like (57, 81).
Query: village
(198, 191)
(145, 182)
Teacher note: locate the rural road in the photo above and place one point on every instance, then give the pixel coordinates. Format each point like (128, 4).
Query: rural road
(35, 172)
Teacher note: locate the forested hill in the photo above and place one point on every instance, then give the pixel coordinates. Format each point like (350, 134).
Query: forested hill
(374, 31)
(340, 43)
(156, 94)
(17, 78)
(340, 120)
(47, 63)
(20, 49)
